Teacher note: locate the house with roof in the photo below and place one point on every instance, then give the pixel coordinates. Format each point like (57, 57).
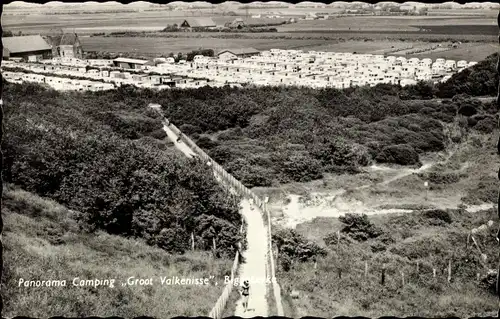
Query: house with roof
(65, 45)
(232, 54)
(197, 23)
(30, 47)
(129, 64)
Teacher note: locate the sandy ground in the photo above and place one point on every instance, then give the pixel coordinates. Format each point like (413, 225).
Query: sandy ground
(254, 268)
(359, 200)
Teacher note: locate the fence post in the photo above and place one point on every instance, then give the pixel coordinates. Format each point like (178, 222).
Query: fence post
(382, 279)
(434, 272)
(449, 271)
(214, 246)
(192, 240)
(338, 239)
(403, 278)
(366, 269)
(418, 268)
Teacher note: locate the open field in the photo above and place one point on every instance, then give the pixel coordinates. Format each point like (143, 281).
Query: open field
(466, 51)
(141, 45)
(382, 23)
(157, 20)
(42, 242)
(153, 46)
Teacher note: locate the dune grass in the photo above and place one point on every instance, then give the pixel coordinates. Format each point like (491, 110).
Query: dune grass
(407, 239)
(42, 241)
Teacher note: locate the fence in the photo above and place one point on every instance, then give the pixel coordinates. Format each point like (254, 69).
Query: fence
(245, 192)
(217, 310)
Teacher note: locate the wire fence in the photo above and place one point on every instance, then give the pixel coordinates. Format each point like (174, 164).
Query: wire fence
(218, 309)
(243, 191)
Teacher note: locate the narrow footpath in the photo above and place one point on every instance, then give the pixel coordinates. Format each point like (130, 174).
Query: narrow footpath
(254, 268)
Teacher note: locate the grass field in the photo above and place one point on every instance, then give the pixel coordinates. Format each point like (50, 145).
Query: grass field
(42, 242)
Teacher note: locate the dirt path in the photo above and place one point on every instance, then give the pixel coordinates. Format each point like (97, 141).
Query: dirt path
(254, 268)
(180, 145)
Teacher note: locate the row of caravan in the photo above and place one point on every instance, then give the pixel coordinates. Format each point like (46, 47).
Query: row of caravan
(58, 83)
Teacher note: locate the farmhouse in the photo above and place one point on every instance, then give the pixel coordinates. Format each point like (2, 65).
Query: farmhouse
(31, 47)
(237, 23)
(65, 45)
(197, 23)
(231, 54)
(129, 63)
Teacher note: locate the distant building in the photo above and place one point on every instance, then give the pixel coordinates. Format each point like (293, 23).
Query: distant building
(31, 47)
(237, 23)
(231, 54)
(65, 45)
(197, 23)
(129, 63)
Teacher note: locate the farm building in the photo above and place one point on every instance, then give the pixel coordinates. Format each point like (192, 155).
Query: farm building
(231, 54)
(129, 63)
(197, 23)
(31, 47)
(237, 23)
(65, 45)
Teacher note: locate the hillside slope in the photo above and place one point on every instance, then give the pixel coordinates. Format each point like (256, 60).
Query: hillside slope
(42, 241)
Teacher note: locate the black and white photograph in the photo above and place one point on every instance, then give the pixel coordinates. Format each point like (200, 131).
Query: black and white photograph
(250, 159)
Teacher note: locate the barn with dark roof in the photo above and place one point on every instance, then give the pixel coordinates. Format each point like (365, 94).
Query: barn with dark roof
(198, 23)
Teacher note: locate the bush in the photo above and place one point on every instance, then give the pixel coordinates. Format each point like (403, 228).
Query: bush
(359, 227)
(486, 125)
(441, 178)
(294, 246)
(467, 110)
(438, 214)
(402, 154)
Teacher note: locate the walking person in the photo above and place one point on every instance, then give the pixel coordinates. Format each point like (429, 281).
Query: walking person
(245, 292)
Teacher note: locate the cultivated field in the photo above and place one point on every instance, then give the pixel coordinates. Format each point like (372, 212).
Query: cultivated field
(386, 24)
(146, 46)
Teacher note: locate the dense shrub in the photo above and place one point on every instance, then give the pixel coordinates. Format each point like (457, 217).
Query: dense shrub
(467, 110)
(299, 168)
(440, 178)
(57, 145)
(439, 215)
(359, 227)
(294, 246)
(485, 191)
(486, 125)
(402, 154)
(479, 80)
